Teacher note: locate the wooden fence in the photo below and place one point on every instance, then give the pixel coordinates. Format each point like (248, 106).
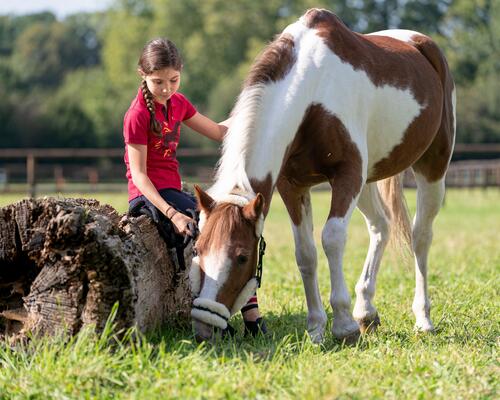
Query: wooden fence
(61, 166)
(467, 174)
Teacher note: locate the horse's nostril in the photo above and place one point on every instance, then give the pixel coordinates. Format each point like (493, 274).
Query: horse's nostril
(200, 339)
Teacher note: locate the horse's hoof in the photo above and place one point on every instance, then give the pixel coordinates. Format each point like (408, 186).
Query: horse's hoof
(425, 327)
(349, 335)
(369, 324)
(351, 338)
(316, 336)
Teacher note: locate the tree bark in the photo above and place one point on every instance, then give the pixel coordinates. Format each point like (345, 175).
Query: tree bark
(64, 263)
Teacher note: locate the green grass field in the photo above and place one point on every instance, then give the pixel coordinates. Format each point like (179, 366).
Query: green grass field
(459, 362)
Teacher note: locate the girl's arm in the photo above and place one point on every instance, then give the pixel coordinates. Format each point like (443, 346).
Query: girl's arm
(207, 127)
(137, 155)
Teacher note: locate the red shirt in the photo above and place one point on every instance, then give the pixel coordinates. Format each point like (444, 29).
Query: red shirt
(162, 164)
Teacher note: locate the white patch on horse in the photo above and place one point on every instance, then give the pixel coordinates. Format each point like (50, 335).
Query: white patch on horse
(195, 276)
(235, 199)
(202, 220)
(404, 35)
(333, 238)
(216, 267)
(231, 171)
(377, 223)
(305, 254)
(429, 200)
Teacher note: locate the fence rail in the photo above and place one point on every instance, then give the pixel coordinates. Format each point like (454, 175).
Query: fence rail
(470, 173)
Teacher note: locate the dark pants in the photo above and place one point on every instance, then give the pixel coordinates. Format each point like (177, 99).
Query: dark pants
(181, 201)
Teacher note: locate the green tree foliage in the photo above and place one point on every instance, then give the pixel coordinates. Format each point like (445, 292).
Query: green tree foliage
(44, 52)
(11, 27)
(69, 82)
(472, 45)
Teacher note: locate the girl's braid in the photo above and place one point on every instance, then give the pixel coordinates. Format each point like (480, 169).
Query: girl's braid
(154, 125)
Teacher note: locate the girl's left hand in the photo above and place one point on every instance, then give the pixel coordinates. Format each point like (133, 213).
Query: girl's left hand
(183, 224)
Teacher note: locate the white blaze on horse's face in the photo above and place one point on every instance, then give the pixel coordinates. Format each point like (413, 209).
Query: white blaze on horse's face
(227, 256)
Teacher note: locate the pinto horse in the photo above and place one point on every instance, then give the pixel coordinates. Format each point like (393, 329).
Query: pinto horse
(325, 104)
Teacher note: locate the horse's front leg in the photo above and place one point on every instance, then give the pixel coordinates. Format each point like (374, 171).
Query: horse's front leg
(344, 199)
(370, 204)
(298, 203)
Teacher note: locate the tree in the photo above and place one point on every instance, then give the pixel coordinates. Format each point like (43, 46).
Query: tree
(12, 26)
(471, 43)
(45, 52)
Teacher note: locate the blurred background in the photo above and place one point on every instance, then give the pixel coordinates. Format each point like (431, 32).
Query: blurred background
(68, 74)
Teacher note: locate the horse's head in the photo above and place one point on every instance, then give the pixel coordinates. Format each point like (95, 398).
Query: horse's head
(223, 274)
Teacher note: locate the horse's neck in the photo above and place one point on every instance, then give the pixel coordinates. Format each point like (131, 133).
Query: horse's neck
(265, 121)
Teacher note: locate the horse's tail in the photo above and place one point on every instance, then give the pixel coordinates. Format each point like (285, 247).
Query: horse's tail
(391, 191)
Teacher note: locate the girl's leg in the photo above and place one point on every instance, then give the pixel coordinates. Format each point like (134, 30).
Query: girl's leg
(250, 311)
(254, 323)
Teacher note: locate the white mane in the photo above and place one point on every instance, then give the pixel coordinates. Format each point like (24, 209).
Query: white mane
(231, 169)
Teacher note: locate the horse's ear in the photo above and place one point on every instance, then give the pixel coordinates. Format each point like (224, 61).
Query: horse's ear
(204, 200)
(253, 209)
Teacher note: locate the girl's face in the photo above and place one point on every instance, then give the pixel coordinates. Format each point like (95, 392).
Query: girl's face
(162, 83)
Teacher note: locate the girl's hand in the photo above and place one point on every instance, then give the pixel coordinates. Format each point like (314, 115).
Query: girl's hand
(183, 224)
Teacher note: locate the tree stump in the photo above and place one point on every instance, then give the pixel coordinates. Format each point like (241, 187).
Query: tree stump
(64, 263)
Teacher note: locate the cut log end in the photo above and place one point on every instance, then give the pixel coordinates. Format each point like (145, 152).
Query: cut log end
(64, 263)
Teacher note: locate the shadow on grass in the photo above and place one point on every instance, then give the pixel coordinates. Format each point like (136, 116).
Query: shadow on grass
(287, 336)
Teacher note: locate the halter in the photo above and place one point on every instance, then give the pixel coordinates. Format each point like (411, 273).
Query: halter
(211, 311)
(262, 251)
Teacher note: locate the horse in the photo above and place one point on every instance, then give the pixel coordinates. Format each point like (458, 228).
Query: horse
(325, 104)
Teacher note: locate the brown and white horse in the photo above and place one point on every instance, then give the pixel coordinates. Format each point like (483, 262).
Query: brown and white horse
(323, 103)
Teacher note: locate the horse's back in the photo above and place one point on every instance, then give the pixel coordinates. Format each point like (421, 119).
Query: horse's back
(405, 108)
(434, 160)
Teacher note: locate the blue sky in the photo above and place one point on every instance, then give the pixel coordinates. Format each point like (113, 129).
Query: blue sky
(59, 7)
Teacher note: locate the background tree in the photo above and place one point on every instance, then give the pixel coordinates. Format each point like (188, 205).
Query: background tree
(82, 68)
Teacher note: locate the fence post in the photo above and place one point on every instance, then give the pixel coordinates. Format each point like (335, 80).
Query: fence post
(59, 178)
(30, 174)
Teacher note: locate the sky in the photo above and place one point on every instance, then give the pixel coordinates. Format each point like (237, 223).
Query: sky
(61, 8)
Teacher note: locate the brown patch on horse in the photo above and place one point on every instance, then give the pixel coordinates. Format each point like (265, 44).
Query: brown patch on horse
(230, 224)
(389, 61)
(434, 162)
(205, 202)
(265, 187)
(274, 62)
(316, 16)
(216, 234)
(332, 156)
(294, 198)
(239, 276)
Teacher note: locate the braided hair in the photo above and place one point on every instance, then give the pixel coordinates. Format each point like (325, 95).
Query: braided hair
(157, 54)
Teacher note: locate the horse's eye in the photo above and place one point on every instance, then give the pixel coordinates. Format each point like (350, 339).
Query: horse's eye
(241, 259)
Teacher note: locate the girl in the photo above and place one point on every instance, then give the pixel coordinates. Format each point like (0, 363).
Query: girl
(151, 130)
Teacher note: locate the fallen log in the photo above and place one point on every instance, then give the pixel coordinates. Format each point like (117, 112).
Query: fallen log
(64, 263)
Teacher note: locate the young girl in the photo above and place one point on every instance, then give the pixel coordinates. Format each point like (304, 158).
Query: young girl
(152, 129)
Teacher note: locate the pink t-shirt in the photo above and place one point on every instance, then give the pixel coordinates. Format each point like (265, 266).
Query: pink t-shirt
(162, 164)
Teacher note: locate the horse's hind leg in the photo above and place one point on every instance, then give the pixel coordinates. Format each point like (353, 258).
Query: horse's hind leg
(298, 203)
(429, 199)
(378, 227)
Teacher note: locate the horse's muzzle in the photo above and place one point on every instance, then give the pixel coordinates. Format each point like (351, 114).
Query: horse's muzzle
(203, 332)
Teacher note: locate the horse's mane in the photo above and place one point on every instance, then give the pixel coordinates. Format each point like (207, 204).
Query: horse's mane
(271, 65)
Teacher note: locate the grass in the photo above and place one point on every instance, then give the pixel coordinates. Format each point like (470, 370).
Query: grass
(460, 361)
